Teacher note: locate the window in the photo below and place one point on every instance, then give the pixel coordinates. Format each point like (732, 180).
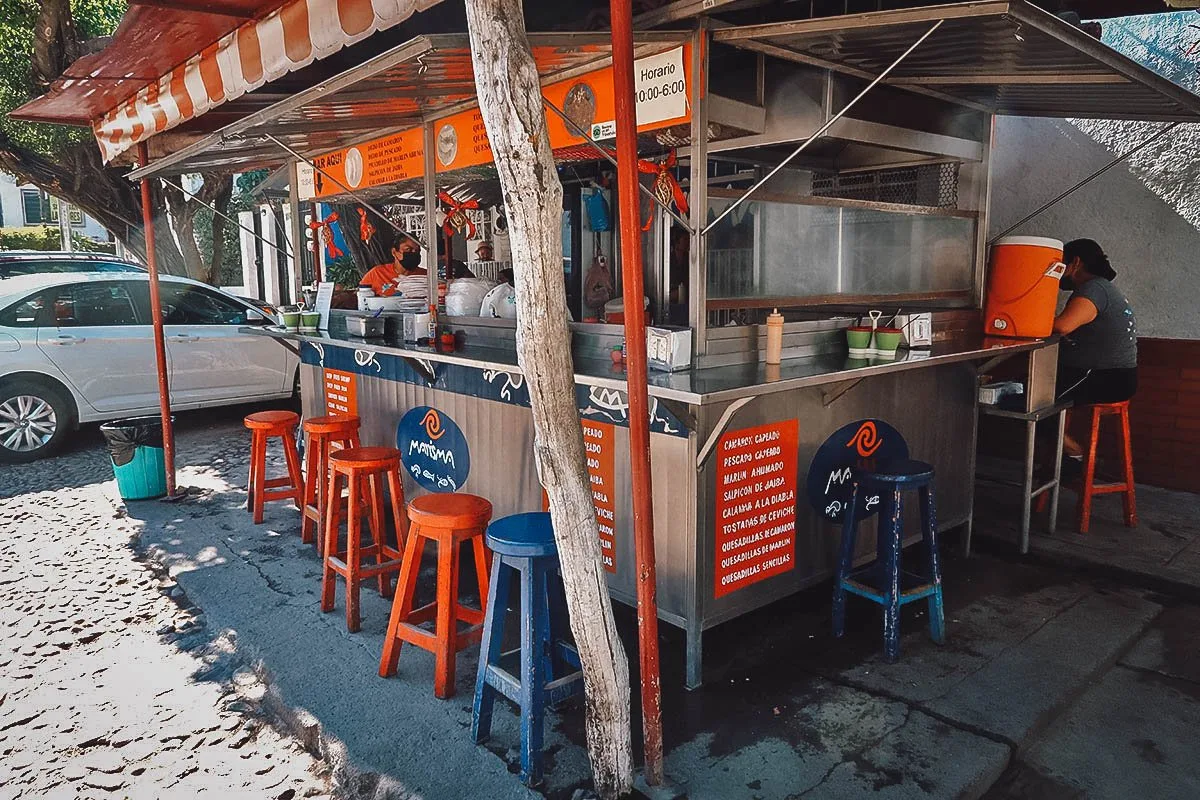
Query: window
(31, 203)
(183, 304)
(87, 304)
(25, 313)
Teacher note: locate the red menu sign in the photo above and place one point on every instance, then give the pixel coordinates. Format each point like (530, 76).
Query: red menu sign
(756, 505)
(598, 445)
(341, 392)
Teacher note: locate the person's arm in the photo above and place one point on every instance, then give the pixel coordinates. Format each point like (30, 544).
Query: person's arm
(1078, 312)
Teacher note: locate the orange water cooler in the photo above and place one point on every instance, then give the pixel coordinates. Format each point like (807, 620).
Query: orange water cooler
(1022, 289)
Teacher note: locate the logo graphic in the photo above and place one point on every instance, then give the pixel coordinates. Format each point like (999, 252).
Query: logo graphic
(354, 167)
(447, 144)
(433, 449)
(858, 445)
(866, 439)
(432, 423)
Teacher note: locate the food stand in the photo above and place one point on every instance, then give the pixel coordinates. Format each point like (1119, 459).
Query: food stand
(887, 208)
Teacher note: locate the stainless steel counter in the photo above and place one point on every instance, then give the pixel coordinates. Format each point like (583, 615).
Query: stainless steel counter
(695, 386)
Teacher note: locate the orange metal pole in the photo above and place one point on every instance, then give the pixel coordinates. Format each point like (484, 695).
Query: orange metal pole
(621, 13)
(160, 346)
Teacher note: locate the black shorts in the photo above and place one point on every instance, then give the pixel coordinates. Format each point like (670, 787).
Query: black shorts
(1086, 387)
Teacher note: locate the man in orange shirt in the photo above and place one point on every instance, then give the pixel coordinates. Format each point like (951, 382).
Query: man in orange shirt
(406, 258)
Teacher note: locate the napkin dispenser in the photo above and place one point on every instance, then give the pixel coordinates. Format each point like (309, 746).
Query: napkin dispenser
(669, 349)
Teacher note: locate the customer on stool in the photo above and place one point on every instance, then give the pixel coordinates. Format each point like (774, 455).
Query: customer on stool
(1097, 357)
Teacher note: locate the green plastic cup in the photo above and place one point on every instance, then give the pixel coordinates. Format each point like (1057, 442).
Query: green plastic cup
(858, 338)
(887, 340)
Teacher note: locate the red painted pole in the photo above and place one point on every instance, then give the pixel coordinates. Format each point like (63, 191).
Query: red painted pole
(160, 346)
(621, 13)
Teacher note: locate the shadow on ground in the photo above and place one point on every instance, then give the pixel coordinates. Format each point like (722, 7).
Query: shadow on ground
(786, 710)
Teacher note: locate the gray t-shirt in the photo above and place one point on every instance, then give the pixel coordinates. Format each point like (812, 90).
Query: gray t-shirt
(1110, 340)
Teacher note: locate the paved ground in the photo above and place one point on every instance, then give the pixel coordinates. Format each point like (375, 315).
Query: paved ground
(1163, 551)
(111, 685)
(1053, 684)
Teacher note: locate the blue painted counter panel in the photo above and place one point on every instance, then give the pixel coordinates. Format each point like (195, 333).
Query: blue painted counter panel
(594, 402)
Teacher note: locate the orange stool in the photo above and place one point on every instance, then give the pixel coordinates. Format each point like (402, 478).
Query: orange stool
(1088, 488)
(323, 434)
(365, 469)
(449, 520)
(264, 426)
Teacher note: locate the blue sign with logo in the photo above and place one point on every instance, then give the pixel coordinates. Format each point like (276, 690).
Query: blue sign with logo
(433, 449)
(859, 445)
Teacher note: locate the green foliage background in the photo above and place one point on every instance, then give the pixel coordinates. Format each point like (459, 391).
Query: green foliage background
(93, 18)
(48, 237)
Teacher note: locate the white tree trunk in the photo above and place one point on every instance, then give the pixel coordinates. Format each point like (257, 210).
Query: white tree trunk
(510, 99)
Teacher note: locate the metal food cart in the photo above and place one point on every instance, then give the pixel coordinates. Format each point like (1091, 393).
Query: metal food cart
(887, 207)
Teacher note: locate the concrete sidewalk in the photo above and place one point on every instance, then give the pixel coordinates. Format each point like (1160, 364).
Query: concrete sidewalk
(785, 711)
(1162, 552)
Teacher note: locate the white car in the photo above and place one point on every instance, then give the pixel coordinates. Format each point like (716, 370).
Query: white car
(79, 347)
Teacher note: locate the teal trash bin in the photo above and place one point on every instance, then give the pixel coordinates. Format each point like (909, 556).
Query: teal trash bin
(136, 446)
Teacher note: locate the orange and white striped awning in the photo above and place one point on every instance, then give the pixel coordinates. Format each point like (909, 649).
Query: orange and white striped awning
(259, 50)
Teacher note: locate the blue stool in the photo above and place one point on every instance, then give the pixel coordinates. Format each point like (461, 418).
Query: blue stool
(883, 581)
(524, 543)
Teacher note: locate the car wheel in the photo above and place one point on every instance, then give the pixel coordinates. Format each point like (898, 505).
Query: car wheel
(34, 420)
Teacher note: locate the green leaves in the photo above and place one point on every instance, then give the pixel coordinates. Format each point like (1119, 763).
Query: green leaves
(17, 18)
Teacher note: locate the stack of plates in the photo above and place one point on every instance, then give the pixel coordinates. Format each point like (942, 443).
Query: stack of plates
(413, 286)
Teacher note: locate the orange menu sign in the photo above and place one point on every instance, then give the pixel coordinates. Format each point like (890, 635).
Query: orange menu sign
(661, 87)
(756, 505)
(341, 392)
(598, 447)
(389, 159)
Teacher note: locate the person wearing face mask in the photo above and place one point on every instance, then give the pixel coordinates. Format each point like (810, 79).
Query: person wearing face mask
(1097, 357)
(406, 260)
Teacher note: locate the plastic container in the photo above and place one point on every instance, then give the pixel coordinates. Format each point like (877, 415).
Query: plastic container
(291, 320)
(774, 337)
(859, 340)
(136, 447)
(887, 340)
(1022, 289)
(310, 321)
(362, 294)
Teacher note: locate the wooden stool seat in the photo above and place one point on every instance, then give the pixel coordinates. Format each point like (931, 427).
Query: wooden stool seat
(451, 511)
(365, 470)
(264, 426)
(325, 434)
(1088, 488)
(328, 426)
(272, 420)
(448, 520)
(367, 459)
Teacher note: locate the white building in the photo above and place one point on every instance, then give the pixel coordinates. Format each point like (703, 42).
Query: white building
(23, 205)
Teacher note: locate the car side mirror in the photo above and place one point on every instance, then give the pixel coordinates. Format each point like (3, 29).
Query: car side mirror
(257, 318)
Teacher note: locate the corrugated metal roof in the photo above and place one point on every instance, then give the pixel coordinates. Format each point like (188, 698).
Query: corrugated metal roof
(426, 77)
(1003, 57)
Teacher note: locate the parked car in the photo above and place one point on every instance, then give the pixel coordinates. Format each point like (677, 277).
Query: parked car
(40, 262)
(37, 262)
(79, 348)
